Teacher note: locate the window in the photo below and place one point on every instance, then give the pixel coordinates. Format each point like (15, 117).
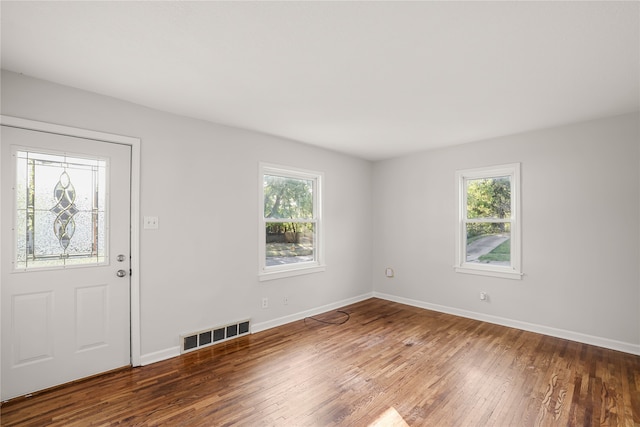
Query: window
(290, 222)
(488, 230)
(60, 217)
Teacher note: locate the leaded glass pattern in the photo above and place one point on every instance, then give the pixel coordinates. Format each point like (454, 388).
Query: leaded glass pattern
(60, 210)
(64, 226)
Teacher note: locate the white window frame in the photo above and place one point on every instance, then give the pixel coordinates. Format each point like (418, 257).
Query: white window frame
(514, 271)
(294, 269)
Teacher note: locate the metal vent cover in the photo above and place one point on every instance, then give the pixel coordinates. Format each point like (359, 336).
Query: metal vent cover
(214, 335)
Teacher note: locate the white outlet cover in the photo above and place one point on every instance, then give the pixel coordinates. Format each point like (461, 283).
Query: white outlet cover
(150, 222)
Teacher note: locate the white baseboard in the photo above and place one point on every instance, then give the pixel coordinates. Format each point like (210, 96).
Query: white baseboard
(147, 359)
(263, 326)
(158, 356)
(525, 326)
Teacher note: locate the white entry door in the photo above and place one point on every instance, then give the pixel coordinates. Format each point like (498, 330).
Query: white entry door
(65, 218)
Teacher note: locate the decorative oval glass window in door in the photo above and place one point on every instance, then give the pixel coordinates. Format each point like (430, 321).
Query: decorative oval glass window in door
(60, 210)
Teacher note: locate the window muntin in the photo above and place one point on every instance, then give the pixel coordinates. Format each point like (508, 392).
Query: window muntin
(60, 211)
(488, 231)
(290, 221)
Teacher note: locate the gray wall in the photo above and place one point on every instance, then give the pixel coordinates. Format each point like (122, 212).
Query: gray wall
(580, 219)
(200, 268)
(580, 222)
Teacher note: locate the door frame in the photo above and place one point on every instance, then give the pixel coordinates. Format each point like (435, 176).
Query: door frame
(134, 143)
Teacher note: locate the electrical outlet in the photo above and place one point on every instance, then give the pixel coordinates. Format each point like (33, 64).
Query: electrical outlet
(265, 302)
(285, 300)
(150, 222)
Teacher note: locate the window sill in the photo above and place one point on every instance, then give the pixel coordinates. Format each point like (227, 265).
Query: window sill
(279, 274)
(502, 273)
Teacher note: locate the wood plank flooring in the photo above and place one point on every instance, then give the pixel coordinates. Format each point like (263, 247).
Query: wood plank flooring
(388, 365)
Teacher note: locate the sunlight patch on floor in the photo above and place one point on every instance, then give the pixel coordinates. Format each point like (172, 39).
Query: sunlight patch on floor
(390, 418)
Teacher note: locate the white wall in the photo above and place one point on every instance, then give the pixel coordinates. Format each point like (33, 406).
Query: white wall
(199, 269)
(581, 215)
(580, 222)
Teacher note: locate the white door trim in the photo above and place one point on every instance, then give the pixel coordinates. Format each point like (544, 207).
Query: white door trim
(135, 207)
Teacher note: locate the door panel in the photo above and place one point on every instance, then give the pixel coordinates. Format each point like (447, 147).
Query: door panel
(91, 317)
(32, 327)
(65, 312)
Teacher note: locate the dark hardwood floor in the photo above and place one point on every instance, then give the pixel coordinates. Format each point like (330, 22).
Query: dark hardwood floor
(388, 365)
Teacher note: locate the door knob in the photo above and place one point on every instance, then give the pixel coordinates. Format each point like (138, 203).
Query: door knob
(121, 273)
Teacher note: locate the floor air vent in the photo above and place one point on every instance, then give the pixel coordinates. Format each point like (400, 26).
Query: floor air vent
(207, 337)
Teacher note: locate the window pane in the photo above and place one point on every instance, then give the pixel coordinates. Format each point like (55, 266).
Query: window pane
(489, 197)
(289, 243)
(288, 197)
(489, 243)
(60, 204)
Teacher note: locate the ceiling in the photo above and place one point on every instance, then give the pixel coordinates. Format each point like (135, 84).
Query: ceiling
(371, 79)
